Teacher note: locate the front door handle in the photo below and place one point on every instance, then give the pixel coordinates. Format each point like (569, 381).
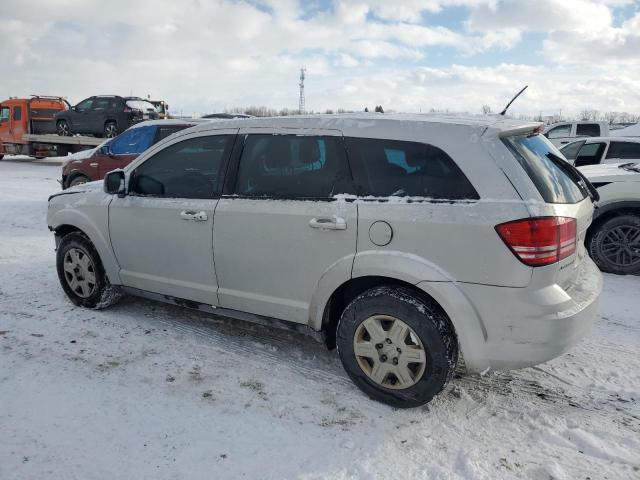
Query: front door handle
(328, 223)
(195, 216)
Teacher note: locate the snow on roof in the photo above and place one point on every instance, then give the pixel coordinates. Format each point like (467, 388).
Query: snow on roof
(630, 131)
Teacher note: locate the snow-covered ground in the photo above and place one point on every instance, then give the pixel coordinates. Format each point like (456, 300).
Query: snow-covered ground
(146, 390)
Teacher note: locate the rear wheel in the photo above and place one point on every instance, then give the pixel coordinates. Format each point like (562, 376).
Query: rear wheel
(62, 127)
(110, 130)
(615, 246)
(1, 157)
(398, 347)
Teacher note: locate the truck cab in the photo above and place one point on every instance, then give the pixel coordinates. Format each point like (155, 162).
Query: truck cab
(564, 132)
(21, 116)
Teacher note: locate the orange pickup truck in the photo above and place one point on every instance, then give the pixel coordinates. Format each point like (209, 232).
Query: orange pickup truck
(27, 128)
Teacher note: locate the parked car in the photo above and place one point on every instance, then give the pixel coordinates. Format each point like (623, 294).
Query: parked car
(564, 132)
(91, 165)
(401, 239)
(104, 115)
(595, 150)
(613, 240)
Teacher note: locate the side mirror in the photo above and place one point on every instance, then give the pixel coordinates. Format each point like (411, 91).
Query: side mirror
(106, 150)
(114, 183)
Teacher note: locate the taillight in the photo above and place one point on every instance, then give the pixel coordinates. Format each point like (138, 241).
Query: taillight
(540, 241)
(127, 110)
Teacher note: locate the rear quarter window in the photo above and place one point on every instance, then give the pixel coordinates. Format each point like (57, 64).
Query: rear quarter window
(534, 154)
(384, 168)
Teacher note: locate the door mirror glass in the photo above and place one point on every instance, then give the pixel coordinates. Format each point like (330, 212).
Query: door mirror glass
(114, 183)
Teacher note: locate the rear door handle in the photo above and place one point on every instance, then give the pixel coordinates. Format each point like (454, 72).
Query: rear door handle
(195, 216)
(328, 223)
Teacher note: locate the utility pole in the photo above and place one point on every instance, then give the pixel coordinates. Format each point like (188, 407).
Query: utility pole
(301, 102)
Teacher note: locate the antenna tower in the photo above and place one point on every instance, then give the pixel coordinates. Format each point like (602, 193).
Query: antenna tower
(301, 102)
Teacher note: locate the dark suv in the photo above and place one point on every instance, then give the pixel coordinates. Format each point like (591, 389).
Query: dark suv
(104, 115)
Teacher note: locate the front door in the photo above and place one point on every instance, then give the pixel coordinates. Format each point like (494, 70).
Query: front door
(280, 229)
(161, 231)
(80, 115)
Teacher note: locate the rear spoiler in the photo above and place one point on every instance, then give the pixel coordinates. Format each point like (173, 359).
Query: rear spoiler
(525, 129)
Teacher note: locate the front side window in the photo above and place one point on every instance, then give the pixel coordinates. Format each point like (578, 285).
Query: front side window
(570, 151)
(536, 155)
(188, 169)
(84, 105)
(559, 132)
(385, 168)
(132, 142)
(587, 130)
(624, 150)
(17, 113)
(292, 166)
(4, 114)
(590, 154)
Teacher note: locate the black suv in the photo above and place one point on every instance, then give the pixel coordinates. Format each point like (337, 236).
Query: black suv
(104, 115)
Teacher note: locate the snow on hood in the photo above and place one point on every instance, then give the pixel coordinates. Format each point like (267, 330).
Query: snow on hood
(81, 155)
(609, 172)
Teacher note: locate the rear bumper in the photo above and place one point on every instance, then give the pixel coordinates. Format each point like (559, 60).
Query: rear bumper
(528, 326)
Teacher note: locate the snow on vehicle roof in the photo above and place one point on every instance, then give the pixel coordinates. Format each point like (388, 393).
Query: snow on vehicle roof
(167, 122)
(630, 131)
(352, 122)
(611, 138)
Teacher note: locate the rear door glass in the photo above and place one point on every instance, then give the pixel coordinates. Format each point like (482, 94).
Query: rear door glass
(555, 185)
(624, 150)
(384, 168)
(587, 130)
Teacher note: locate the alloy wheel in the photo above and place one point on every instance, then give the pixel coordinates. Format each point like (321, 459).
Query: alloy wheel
(63, 129)
(389, 352)
(621, 246)
(110, 131)
(79, 272)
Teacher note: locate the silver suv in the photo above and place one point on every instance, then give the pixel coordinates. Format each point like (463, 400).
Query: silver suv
(407, 241)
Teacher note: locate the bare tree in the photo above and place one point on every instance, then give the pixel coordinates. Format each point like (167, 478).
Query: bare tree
(486, 109)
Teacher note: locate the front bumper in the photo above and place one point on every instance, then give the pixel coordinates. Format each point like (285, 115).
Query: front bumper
(528, 326)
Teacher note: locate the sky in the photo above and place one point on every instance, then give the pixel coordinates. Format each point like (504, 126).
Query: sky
(204, 56)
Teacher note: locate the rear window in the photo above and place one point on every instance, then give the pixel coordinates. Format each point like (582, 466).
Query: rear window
(385, 168)
(544, 165)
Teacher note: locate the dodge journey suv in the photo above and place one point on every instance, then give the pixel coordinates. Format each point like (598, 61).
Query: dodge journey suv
(408, 242)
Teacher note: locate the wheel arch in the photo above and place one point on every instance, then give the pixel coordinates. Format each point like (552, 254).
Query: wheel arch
(67, 221)
(610, 211)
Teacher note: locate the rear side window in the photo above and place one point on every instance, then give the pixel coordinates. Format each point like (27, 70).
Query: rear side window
(590, 154)
(163, 132)
(17, 113)
(587, 130)
(570, 151)
(187, 169)
(385, 168)
(292, 166)
(624, 150)
(132, 142)
(535, 154)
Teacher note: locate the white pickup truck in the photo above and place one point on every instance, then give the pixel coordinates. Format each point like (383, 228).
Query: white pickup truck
(562, 133)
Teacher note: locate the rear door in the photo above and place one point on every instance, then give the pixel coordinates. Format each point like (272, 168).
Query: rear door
(620, 152)
(99, 112)
(588, 130)
(161, 231)
(279, 228)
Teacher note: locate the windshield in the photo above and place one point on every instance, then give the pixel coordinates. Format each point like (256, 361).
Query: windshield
(544, 164)
(630, 167)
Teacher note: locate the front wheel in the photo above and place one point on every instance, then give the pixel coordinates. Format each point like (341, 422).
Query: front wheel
(78, 180)
(81, 273)
(398, 347)
(62, 127)
(615, 245)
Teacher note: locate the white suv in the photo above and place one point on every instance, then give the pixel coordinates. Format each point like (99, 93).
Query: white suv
(613, 240)
(406, 240)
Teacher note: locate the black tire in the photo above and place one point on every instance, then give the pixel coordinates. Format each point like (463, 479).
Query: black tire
(615, 245)
(101, 292)
(78, 180)
(1, 157)
(110, 129)
(63, 129)
(427, 320)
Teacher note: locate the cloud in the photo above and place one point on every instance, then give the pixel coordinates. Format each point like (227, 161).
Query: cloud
(203, 56)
